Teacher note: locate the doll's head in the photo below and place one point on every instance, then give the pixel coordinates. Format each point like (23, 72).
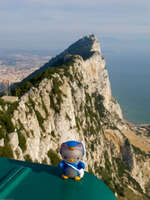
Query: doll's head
(72, 151)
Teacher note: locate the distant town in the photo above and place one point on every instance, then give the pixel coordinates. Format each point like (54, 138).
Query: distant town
(15, 67)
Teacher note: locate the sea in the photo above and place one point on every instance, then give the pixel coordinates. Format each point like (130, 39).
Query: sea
(129, 73)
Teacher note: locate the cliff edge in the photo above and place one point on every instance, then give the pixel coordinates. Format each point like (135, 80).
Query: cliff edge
(69, 98)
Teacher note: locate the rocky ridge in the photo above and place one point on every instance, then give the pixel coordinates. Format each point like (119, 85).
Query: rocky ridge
(70, 98)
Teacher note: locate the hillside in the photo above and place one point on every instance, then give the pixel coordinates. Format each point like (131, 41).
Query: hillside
(69, 98)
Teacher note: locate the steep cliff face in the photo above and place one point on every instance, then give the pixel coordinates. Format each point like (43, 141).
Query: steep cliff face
(70, 98)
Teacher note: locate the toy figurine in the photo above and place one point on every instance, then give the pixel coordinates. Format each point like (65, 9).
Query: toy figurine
(72, 152)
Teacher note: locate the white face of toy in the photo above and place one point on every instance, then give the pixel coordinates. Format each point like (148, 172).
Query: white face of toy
(73, 156)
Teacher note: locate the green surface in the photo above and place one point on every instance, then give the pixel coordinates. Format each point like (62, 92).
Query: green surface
(23, 180)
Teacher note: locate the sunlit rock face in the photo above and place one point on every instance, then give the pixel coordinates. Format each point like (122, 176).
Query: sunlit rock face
(73, 101)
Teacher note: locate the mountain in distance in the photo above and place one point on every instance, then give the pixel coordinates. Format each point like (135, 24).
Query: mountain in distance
(69, 98)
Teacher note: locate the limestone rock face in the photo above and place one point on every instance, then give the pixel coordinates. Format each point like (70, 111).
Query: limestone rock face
(70, 99)
(84, 47)
(2, 142)
(13, 140)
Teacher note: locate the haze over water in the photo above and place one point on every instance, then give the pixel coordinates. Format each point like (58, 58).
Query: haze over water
(129, 73)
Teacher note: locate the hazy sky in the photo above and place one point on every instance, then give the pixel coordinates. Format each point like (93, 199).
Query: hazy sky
(46, 24)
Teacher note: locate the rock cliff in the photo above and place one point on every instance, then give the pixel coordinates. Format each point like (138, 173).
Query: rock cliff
(69, 98)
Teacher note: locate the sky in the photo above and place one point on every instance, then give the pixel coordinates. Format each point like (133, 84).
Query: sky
(54, 24)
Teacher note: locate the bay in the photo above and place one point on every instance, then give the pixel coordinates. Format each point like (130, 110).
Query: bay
(129, 73)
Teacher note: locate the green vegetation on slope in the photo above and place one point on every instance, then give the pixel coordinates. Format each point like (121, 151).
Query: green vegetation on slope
(60, 68)
(54, 158)
(6, 125)
(6, 151)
